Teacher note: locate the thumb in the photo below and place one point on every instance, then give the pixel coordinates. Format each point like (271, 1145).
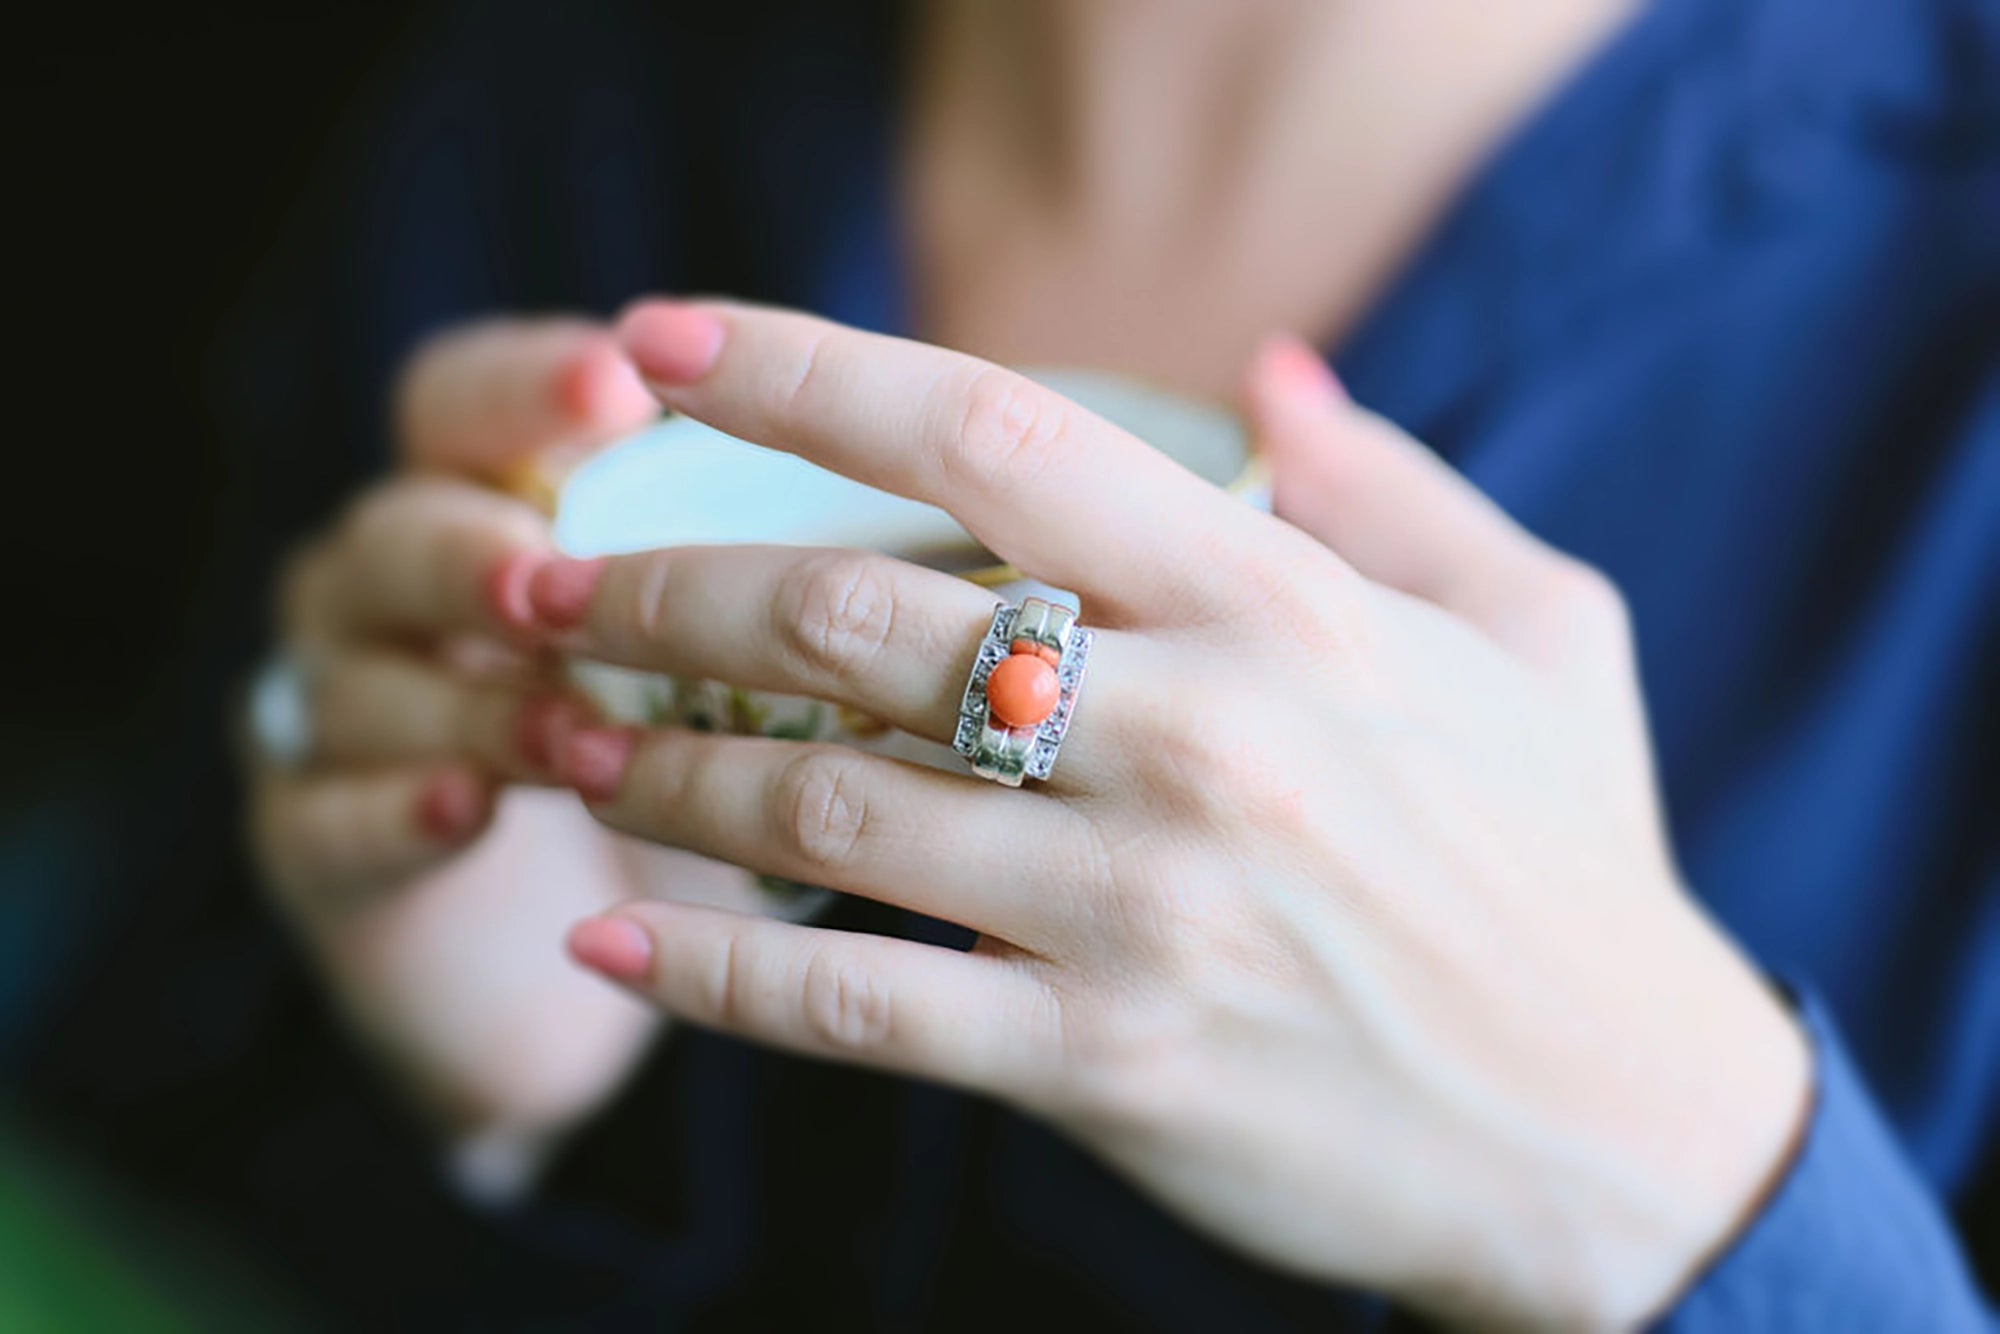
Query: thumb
(1401, 516)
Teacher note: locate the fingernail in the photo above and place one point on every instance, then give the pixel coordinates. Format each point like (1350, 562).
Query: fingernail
(542, 728)
(599, 387)
(617, 947)
(593, 761)
(671, 343)
(559, 590)
(450, 806)
(507, 588)
(1296, 370)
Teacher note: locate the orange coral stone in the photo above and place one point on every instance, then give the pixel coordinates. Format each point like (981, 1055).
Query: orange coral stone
(1022, 690)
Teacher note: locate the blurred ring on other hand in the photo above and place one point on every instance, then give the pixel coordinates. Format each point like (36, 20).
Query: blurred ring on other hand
(279, 712)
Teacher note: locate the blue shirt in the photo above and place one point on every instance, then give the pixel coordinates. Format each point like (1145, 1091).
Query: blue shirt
(1725, 321)
(1723, 318)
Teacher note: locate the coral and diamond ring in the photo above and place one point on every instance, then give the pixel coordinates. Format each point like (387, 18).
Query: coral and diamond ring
(1018, 702)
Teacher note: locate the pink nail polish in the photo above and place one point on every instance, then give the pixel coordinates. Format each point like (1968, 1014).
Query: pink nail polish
(598, 387)
(670, 343)
(542, 728)
(559, 591)
(594, 759)
(507, 589)
(614, 946)
(450, 806)
(1296, 369)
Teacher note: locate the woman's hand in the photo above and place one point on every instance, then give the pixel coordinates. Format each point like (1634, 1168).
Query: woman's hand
(1346, 926)
(429, 896)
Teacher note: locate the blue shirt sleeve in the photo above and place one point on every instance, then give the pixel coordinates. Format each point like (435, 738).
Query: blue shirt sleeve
(1853, 1238)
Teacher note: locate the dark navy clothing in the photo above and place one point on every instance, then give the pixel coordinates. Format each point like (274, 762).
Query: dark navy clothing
(1722, 318)
(1725, 321)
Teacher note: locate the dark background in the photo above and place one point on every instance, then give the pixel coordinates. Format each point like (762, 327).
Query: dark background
(157, 155)
(165, 165)
(156, 158)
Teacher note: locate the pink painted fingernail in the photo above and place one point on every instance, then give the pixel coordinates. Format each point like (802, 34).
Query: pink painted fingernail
(450, 806)
(617, 947)
(599, 386)
(542, 728)
(507, 588)
(1295, 369)
(593, 761)
(670, 343)
(559, 590)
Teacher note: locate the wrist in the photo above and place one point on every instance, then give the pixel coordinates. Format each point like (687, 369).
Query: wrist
(1598, 1211)
(1725, 1120)
(1739, 1145)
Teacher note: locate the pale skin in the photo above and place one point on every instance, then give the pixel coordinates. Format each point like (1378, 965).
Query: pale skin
(1156, 185)
(435, 724)
(1382, 973)
(1349, 902)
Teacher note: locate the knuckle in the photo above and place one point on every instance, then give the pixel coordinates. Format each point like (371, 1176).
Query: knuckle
(305, 587)
(1309, 599)
(1194, 769)
(1009, 431)
(821, 815)
(797, 394)
(1280, 584)
(369, 518)
(843, 616)
(846, 1006)
(653, 603)
(722, 985)
(673, 771)
(423, 379)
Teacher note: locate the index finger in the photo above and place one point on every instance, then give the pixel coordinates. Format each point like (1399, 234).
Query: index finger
(1038, 479)
(480, 399)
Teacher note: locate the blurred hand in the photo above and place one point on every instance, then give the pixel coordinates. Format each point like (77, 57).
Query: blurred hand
(421, 853)
(1346, 926)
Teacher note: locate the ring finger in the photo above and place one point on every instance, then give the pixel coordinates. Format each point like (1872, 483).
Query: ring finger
(890, 639)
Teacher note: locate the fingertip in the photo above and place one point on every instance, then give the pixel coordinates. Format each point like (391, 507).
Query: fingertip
(1286, 370)
(559, 591)
(593, 760)
(670, 343)
(599, 389)
(453, 805)
(507, 585)
(617, 947)
(543, 727)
